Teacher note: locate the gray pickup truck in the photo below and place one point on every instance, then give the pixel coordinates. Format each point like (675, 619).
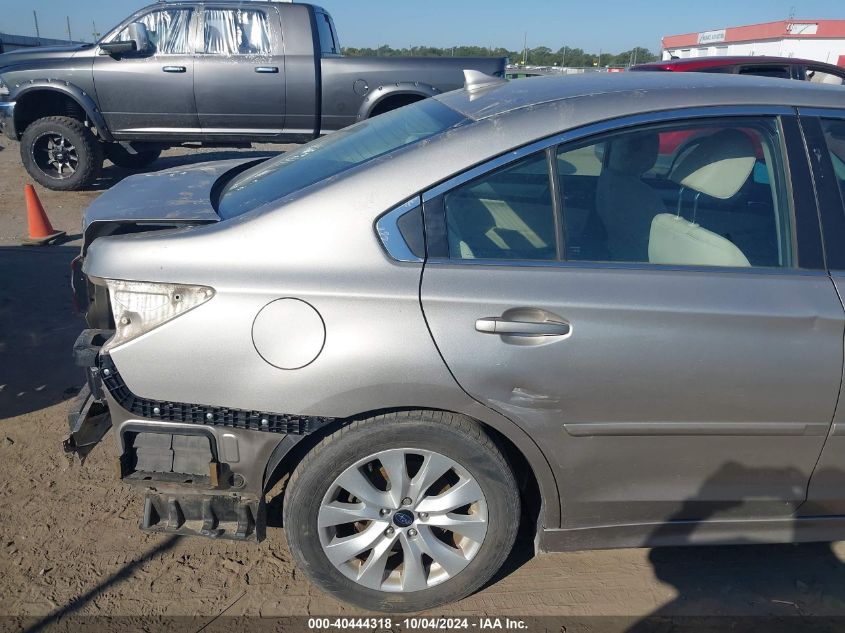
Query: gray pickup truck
(213, 72)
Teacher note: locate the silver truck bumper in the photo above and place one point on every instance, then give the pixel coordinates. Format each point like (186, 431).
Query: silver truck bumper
(7, 119)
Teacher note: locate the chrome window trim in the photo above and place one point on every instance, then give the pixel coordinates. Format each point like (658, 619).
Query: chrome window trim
(387, 229)
(822, 113)
(610, 125)
(631, 266)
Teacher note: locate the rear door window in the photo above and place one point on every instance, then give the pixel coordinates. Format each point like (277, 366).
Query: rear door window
(235, 32)
(704, 193)
(507, 214)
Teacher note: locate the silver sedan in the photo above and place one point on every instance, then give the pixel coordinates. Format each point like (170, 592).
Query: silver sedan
(606, 308)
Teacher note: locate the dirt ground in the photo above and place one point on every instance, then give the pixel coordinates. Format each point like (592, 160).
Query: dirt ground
(70, 547)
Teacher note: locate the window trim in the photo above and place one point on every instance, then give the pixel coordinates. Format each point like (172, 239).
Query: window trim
(434, 213)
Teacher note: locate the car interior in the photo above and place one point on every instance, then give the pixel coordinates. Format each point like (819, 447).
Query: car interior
(706, 196)
(721, 181)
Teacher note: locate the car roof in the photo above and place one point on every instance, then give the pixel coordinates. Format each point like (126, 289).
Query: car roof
(609, 95)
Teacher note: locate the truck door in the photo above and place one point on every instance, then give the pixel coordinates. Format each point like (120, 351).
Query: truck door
(240, 72)
(664, 327)
(150, 94)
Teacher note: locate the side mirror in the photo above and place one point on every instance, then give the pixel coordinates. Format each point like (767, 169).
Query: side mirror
(138, 34)
(138, 42)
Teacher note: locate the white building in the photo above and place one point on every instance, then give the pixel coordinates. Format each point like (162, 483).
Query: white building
(819, 40)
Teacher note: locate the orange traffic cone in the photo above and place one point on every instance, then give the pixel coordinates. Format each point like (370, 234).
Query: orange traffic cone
(41, 232)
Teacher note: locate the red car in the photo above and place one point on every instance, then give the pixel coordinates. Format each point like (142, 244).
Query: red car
(782, 67)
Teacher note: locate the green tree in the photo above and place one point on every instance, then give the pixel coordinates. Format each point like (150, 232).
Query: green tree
(537, 56)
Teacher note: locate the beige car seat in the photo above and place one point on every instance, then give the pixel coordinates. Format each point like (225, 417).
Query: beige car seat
(718, 167)
(624, 203)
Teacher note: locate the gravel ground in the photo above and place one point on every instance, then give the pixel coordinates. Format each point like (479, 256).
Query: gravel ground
(70, 547)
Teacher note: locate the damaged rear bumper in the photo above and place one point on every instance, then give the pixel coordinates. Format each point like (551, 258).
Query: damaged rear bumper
(203, 468)
(199, 478)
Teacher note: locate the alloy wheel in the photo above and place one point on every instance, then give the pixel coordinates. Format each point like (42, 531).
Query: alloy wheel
(402, 520)
(55, 155)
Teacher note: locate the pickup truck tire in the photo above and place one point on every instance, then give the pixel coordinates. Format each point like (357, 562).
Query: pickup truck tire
(406, 562)
(119, 155)
(61, 153)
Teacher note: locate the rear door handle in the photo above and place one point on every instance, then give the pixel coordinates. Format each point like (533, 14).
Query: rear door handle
(266, 69)
(498, 325)
(173, 69)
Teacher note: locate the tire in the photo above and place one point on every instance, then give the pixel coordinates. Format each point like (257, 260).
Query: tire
(411, 437)
(81, 154)
(118, 154)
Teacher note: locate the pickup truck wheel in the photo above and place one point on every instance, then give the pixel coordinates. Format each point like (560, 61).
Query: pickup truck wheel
(61, 153)
(402, 512)
(118, 154)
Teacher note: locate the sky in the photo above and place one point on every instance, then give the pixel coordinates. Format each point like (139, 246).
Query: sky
(608, 25)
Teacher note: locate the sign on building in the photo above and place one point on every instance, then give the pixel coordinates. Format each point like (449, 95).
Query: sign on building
(711, 37)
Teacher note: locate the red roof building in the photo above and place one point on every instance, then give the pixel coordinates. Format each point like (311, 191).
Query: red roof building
(820, 40)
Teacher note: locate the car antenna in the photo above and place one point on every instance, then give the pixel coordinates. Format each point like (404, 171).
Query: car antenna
(475, 79)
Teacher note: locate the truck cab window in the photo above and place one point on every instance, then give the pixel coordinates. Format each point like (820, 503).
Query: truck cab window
(235, 32)
(168, 31)
(328, 39)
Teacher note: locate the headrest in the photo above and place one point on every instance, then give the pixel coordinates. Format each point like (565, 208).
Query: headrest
(635, 153)
(718, 166)
(674, 240)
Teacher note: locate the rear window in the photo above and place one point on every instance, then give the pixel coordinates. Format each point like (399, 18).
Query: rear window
(333, 154)
(328, 38)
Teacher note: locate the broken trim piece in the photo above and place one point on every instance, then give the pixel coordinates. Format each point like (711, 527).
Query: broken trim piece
(202, 414)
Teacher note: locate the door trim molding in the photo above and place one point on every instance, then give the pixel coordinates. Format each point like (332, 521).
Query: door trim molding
(675, 533)
(776, 429)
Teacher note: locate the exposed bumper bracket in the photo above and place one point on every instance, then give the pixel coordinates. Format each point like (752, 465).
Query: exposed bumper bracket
(213, 516)
(88, 418)
(89, 421)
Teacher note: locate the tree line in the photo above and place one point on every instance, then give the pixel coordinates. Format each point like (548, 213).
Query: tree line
(539, 56)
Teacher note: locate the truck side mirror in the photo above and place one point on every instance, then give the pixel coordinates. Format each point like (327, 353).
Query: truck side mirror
(138, 42)
(138, 34)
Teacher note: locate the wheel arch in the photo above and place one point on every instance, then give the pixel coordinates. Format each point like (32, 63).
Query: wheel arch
(397, 92)
(538, 487)
(43, 98)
